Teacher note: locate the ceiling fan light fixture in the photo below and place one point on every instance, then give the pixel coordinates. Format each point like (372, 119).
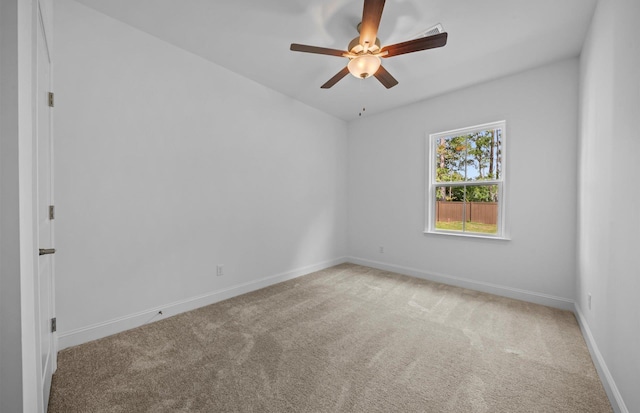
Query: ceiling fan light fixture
(364, 51)
(364, 65)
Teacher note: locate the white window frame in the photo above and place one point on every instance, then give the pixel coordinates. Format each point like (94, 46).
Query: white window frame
(430, 192)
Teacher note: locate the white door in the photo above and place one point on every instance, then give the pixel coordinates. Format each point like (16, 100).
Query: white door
(44, 148)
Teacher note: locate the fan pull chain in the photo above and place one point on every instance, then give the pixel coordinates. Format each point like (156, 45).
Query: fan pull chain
(360, 92)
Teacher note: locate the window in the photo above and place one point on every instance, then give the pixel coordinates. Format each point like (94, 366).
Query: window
(465, 176)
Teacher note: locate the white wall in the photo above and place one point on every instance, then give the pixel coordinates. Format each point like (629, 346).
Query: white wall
(167, 164)
(609, 225)
(387, 187)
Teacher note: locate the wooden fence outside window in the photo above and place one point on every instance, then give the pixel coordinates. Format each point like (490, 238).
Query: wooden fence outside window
(453, 211)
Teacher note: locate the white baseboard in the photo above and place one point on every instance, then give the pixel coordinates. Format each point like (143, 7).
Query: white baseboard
(617, 403)
(518, 294)
(116, 325)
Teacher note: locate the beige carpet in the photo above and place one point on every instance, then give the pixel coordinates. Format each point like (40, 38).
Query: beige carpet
(346, 339)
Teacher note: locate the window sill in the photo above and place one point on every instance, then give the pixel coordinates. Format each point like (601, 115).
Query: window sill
(467, 235)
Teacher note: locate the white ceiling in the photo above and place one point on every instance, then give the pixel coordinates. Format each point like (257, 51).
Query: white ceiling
(488, 39)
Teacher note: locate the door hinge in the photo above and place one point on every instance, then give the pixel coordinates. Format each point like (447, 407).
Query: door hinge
(53, 325)
(52, 212)
(50, 99)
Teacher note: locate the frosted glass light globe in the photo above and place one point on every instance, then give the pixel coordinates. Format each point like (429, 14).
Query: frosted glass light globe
(364, 66)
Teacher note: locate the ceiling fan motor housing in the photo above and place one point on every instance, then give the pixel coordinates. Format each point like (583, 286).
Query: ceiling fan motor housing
(356, 48)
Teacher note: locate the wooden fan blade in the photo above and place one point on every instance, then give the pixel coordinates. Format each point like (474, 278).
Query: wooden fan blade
(317, 50)
(424, 43)
(371, 15)
(385, 78)
(336, 78)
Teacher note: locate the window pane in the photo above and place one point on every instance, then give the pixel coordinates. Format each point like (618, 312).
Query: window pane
(450, 157)
(472, 208)
(483, 155)
(450, 208)
(481, 212)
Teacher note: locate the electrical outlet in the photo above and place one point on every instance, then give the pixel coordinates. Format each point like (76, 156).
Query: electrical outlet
(219, 270)
(381, 250)
(589, 300)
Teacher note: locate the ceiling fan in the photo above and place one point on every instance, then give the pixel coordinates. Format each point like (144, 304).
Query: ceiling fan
(364, 52)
